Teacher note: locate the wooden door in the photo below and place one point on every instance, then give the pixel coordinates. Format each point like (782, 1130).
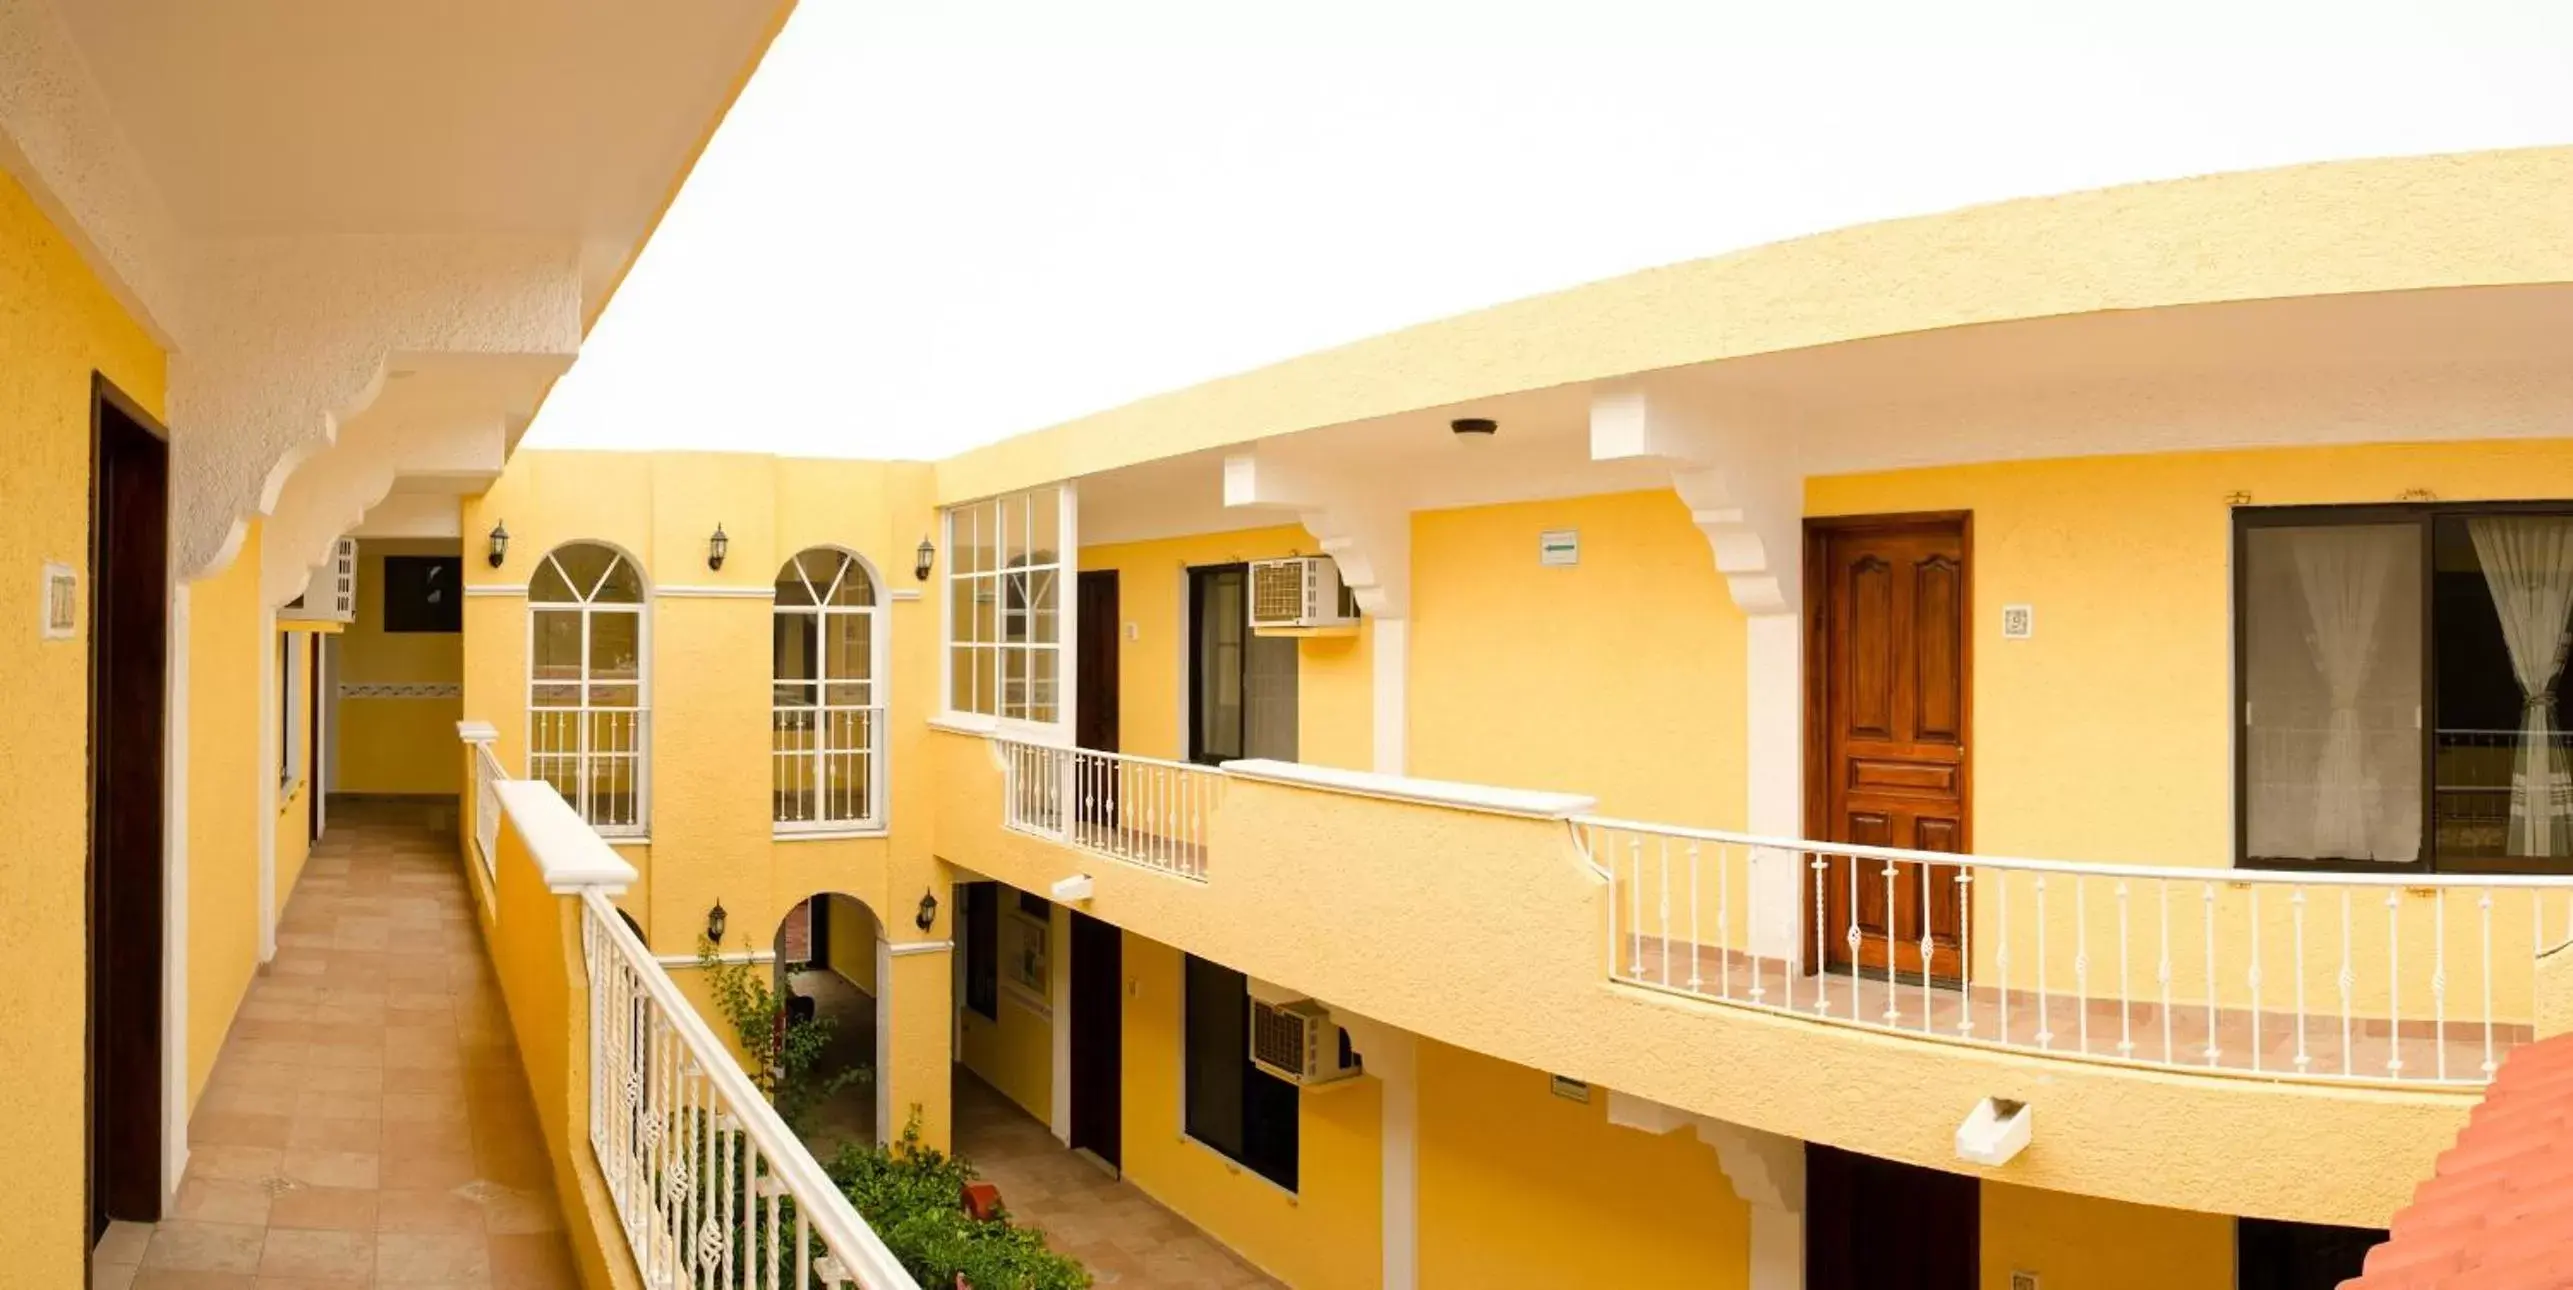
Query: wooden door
(128, 642)
(1098, 1038)
(1874, 1224)
(1095, 723)
(1890, 602)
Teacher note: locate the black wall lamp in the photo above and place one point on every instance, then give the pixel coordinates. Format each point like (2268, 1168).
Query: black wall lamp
(715, 923)
(716, 545)
(922, 558)
(499, 544)
(1474, 429)
(928, 915)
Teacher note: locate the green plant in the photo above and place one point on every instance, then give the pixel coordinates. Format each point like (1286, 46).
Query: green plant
(913, 1196)
(786, 1052)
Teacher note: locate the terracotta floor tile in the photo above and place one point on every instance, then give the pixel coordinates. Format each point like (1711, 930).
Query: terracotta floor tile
(188, 1245)
(418, 1259)
(217, 1200)
(122, 1243)
(347, 1209)
(318, 1254)
(415, 1209)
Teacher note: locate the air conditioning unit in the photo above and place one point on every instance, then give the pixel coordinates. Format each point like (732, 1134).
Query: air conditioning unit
(1299, 591)
(331, 597)
(1298, 1043)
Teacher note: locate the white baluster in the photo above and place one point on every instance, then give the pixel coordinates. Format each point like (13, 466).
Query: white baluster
(2346, 980)
(1635, 904)
(1724, 921)
(1965, 950)
(2208, 903)
(2125, 996)
(1662, 846)
(2162, 966)
(1925, 949)
(2255, 977)
(1893, 1011)
(2439, 981)
(2394, 982)
(2045, 1008)
(2484, 903)
(1694, 941)
(2296, 903)
(2001, 956)
(2082, 960)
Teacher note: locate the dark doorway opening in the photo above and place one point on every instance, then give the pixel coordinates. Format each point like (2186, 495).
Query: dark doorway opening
(2270, 1254)
(1242, 686)
(1874, 1224)
(129, 606)
(313, 750)
(1098, 1038)
(1094, 720)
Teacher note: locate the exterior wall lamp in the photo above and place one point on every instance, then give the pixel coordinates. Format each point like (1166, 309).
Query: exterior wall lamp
(921, 560)
(928, 915)
(716, 545)
(715, 923)
(1474, 429)
(499, 543)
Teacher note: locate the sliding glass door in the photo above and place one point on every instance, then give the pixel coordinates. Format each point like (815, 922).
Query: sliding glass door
(1241, 686)
(2400, 670)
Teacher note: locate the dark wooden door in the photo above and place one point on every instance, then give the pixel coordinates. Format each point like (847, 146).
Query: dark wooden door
(1874, 1224)
(1098, 1037)
(313, 750)
(128, 643)
(1094, 720)
(1890, 608)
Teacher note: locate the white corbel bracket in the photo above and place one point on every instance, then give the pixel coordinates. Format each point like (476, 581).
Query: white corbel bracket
(1366, 534)
(1739, 483)
(1766, 1169)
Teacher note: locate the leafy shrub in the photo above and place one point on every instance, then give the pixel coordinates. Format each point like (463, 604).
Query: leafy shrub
(914, 1197)
(786, 1051)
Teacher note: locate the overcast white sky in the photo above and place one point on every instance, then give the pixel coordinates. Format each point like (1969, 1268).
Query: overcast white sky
(929, 225)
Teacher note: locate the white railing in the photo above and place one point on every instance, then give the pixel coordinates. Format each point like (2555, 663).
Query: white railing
(1139, 809)
(2396, 977)
(712, 1188)
(826, 765)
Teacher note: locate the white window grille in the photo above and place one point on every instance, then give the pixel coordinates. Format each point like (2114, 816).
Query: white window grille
(1005, 606)
(827, 706)
(587, 716)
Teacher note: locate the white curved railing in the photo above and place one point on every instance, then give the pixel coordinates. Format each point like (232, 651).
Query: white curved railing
(712, 1188)
(2392, 977)
(1142, 810)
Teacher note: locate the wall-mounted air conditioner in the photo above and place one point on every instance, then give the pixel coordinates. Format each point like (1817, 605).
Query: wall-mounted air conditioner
(1299, 591)
(1298, 1043)
(331, 597)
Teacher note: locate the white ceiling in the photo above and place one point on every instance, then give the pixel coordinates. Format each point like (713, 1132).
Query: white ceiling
(454, 116)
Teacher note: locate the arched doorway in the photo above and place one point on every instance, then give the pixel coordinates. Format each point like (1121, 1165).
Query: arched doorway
(830, 966)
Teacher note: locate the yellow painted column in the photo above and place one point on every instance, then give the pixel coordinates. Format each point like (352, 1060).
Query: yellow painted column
(915, 1026)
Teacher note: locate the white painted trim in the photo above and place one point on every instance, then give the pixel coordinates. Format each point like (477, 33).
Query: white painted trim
(518, 589)
(1389, 658)
(827, 835)
(685, 591)
(901, 949)
(1392, 1055)
(1428, 792)
(884, 1030)
(965, 723)
(571, 855)
(1773, 707)
(174, 915)
(902, 593)
(477, 732)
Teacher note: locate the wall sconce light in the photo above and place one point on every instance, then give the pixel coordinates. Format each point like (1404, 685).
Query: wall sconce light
(922, 558)
(499, 544)
(1474, 429)
(716, 545)
(715, 923)
(928, 915)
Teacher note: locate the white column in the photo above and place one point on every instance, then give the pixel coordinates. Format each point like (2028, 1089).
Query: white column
(1391, 658)
(1392, 1057)
(271, 752)
(174, 906)
(1773, 705)
(1778, 1244)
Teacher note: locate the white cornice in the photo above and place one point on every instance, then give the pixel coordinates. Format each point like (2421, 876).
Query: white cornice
(707, 592)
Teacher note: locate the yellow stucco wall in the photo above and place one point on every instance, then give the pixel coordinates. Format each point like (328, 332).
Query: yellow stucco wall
(58, 326)
(851, 942)
(391, 745)
(1324, 1235)
(2092, 1244)
(1014, 1050)
(1562, 1197)
(1620, 677)
(229, 777)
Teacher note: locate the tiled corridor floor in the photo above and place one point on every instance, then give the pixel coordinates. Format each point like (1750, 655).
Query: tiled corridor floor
(849, 1117)
(367, 1123)
(1120, 1234)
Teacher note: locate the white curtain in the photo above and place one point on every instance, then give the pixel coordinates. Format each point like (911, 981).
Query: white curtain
(2347, 575)
(2528, 565)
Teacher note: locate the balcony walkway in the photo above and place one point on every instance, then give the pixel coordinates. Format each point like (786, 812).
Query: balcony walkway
(368, 1122)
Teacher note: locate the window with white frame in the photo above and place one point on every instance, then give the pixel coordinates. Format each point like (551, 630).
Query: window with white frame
(294, 692)
(585, 683)
(1005, 587)
(827, 707)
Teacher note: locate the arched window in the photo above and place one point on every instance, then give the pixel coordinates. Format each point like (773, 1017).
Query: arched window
(586, 704)
(827, 708)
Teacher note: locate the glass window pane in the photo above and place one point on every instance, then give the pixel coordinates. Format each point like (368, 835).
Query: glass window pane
(960, 680)
(616, 646)
(1013, 682)
(555, 645)
(548, 586)
(1044, 540)
(791, 589)
(847, 640)
(2501, 592)
(987, 610)
(584, 564)
(1042, 703)
(791, 694)
(856, 588)
(1013, 512)
(987, 679)
(1044, 593)
(616, 696)
(792, 646)
(624, 585)
(973, 537)
(2332, 683)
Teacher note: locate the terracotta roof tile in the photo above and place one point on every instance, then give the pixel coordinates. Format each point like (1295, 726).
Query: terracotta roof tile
(2497, 1211)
